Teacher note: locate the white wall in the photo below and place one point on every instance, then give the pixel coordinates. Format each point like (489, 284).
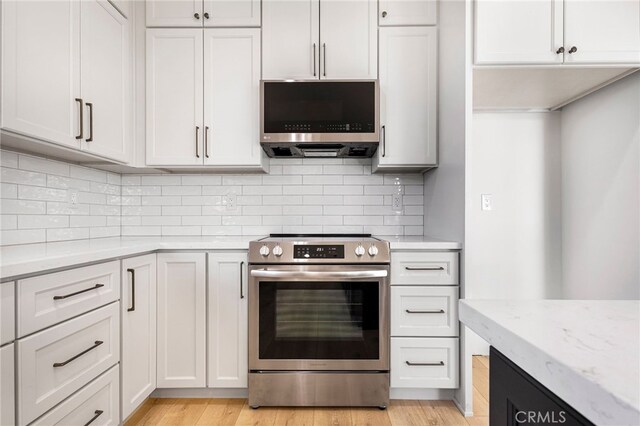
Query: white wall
(514, 250)
(601, 190)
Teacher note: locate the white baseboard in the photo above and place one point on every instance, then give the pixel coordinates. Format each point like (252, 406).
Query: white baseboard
(200, 393)
(418, 393)
(468, 413)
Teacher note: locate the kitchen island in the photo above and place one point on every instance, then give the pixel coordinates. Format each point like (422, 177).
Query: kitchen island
(586, 353)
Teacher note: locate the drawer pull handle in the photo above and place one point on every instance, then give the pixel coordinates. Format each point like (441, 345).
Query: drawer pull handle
(97, 414)
(95, 287)
(424, 364)
(439, 311)
(133, 290)
(425, 268)
(62, 364)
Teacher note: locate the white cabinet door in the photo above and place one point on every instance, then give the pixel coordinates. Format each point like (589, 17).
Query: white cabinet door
(105, 79)
(408, 101)
(228, 321)
(232, 96)
(7, 386)
(231, 13)
(174, 13)
(174, 97)
(290, 39)
(602, 31)
(181, 320)
(41, 69)
(518, 32)
(408, 12)
(349, 38)
(138, 306)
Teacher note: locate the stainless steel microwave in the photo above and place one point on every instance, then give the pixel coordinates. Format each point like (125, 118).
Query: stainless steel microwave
(337, 118)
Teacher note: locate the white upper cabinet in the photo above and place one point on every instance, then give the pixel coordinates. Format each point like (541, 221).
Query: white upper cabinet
(602, 31)
(290, 39)
(174, 97)
(557, 32)
(199, 13)
(104, 82)
(349, 38)
(228, 320)
(138, 310)
(518, 32)
(41, 70)
(407, 12)
(408, 98)
(231, 13)
(174, 13)
(231, 97)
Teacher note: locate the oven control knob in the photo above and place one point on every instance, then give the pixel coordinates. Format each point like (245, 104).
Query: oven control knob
(359, 250)
(373, 250)
(277, 250)
(264, 251)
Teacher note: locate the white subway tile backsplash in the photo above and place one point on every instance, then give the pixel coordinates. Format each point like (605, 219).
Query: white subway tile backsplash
(68, 209)
(38, 221)
(343, 210)
(87, 221)
(323, 200)
(23, 207)
(160, 200)
(42, 165)
(105, 231)
(22, 236)
(8, 190)
(261, 190)
(22, 177)
(202, 200)
(86, 173)
(281, 200)
(181, 210)
(8, 221)
(181, 230)
(62, 182)
(262, 210)
(66, 234)
(181, 190)
(322, 180)
(221, 190)
(9, 159)
(342, 170)
(161, 180)
(202, 180)
(343, 190)
(42, 194)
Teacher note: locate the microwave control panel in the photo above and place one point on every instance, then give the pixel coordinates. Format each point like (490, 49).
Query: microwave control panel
(318, 251)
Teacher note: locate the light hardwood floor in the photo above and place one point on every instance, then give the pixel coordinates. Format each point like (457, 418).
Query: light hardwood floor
(400, 412)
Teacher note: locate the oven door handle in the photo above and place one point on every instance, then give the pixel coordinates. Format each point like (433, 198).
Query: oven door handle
(266, 273)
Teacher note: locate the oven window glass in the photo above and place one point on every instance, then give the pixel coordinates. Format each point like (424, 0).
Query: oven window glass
(318, 320)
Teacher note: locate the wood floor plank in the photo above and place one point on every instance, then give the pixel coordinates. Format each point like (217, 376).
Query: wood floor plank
(370, 417)
(448, 413)
(481, 381)
(263, 416)
(480, 404)
(407, 413)
(293, 416)
(332, 417)
(484, 360)
(184, 412)
(214, 412)
(478, 421)
(140, 412)
(477, 362)
(160, 407)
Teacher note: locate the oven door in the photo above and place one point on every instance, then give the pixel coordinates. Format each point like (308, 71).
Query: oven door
(319, 317)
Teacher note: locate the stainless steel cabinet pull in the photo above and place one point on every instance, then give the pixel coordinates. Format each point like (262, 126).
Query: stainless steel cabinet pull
(573, 49)
(439, 311)
(197, 148)
(241, 289)
(314, 59)
(560, 50)
(81, 118)
(62, 364)
(324, 60)
(95, 287)
(133, 290)
(424, 364)
(90, 105)
(266, 273)
(426, 268)
(196, 15)
(206, 141)
(384, 140)
(97, 414)
(384, 13)
(206, 15)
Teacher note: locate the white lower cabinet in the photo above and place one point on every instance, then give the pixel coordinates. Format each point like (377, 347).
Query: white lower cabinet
(56, 362)
(95, 404)
(424, 311)
(138, 307)
(424, 362)
(7, 385)
(181, 320)
(7, 312)
(228, 321)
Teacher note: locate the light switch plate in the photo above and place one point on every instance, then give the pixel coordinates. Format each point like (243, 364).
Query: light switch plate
(487, 202)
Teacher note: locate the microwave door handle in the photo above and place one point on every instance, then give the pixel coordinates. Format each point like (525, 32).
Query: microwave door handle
(266, 273)
(314, 59)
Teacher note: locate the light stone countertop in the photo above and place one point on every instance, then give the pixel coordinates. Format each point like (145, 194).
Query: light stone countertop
(587, 352)
(30, 259)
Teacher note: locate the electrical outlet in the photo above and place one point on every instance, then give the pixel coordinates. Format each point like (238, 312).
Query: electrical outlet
(72, 194)
(396, 203)
(231, 202)
(487, 202)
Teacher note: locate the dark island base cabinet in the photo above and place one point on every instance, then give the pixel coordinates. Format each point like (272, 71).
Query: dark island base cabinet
(516, 398)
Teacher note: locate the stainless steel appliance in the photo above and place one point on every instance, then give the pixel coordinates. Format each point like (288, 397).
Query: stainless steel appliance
(337, 118)
(319, 321)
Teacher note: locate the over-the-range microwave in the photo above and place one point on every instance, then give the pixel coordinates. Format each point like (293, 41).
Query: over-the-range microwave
(337, 118)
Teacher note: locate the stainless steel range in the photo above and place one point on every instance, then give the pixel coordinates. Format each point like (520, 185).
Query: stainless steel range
(319, 321)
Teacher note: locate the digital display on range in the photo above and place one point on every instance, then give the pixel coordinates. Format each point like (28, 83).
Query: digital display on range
(318, 252)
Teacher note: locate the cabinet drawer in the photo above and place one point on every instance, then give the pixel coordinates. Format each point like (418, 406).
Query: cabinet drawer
(424, 362)
(98, 401)
(7, 313)
(56, 362)
(424, 311)
(424, 268)
(49, 299)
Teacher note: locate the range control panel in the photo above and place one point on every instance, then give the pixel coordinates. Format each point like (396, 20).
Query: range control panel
(318, 251)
